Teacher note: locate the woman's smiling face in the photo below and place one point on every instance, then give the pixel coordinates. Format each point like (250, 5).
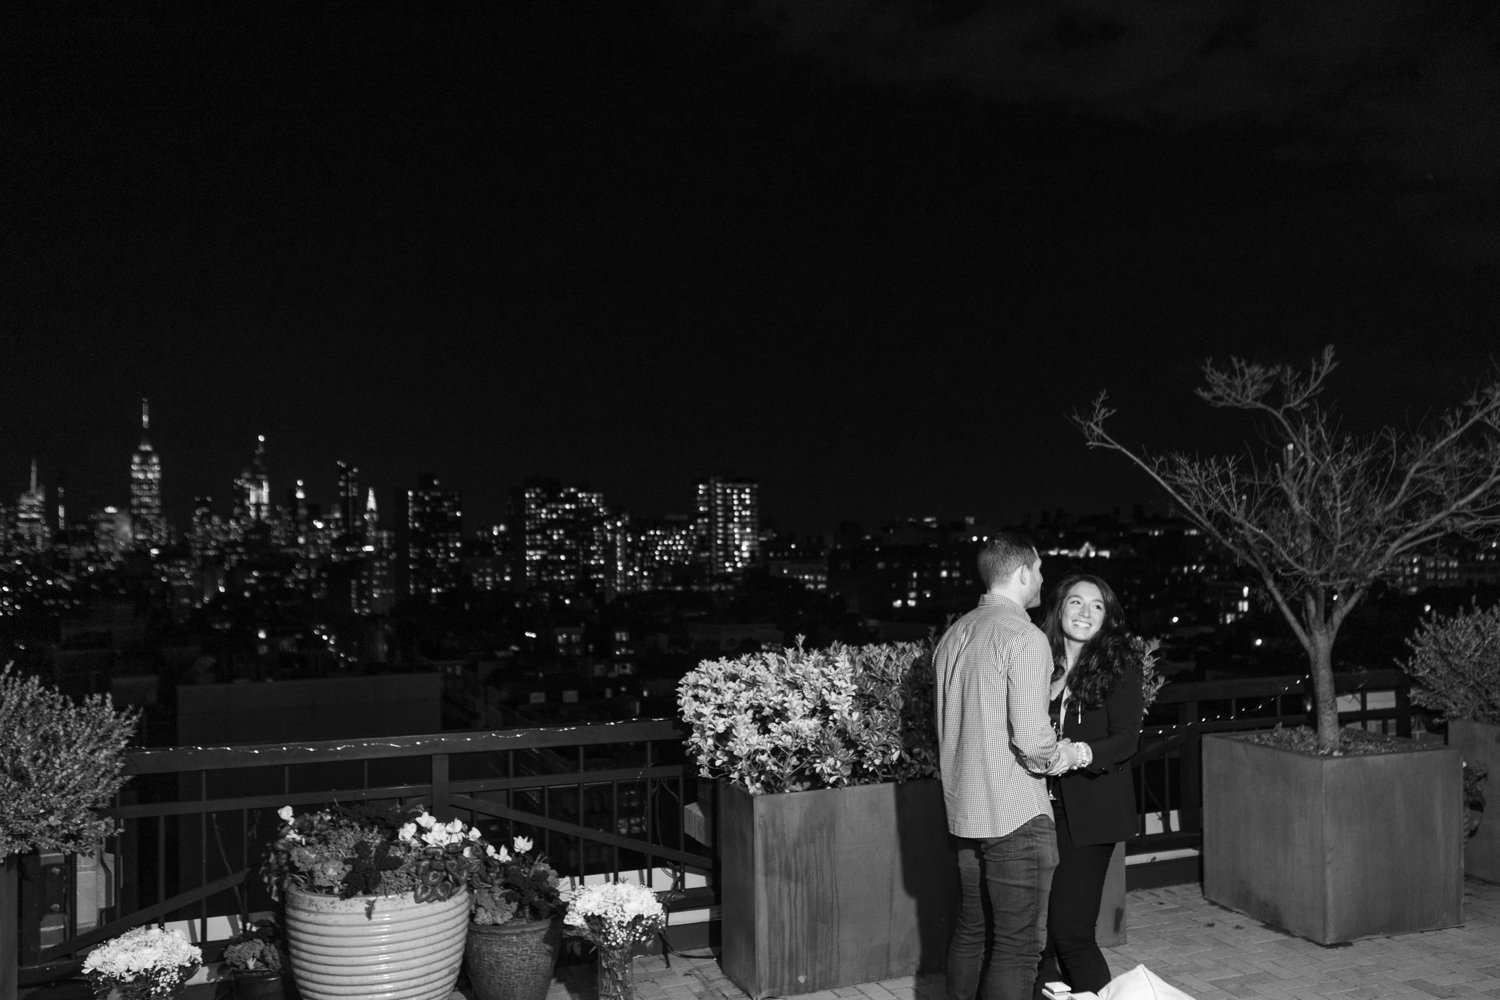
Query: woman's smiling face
(1082, 612)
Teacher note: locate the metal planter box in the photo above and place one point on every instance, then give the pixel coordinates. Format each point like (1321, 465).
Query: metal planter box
(1334, 848)
(833, 888)
(1479, 743)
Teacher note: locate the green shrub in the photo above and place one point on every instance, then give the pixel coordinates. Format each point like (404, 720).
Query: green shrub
(60, 763)
(795, 719)
(1455, 660)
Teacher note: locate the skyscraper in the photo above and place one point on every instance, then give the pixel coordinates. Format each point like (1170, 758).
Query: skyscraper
(31, 517)
(434, 538)
(146, 521)
(252, 489)
(728, 521)
(350, 511)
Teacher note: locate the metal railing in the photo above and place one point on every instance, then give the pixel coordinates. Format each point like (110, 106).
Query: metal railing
(598, 799)
(195, 821)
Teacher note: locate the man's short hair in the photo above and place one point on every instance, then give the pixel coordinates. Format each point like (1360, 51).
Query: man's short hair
(1002, 555)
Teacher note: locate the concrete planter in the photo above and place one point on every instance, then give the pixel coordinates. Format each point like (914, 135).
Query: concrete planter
(1334, 848)
(833, 888)
(1479, 742)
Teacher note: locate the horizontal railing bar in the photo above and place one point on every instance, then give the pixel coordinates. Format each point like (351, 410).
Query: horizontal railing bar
(168, 760)
(145, 915)
(498, 811)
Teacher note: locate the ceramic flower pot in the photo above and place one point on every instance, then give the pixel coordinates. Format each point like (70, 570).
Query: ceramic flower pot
(514, 960)
(259, 984)
(375, 947)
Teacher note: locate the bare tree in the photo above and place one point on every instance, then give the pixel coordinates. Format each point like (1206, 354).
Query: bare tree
(1319, 514)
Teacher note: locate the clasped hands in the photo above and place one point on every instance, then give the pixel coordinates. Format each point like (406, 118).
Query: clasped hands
(1070, 756)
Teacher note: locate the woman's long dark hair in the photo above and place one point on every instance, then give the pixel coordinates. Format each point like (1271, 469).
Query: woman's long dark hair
(1105, 658)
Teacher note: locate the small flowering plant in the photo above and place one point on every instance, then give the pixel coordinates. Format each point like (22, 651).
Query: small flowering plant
(514, 884)
(147, 963)
(614, 915)
(795, 719)
(349, 851)
(257, 948)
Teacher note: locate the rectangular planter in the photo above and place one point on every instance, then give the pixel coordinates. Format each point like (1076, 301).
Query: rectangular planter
(1479, 743)
(833, 888)
(1334, 848)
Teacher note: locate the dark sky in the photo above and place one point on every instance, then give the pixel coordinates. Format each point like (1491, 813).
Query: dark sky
(871, 253)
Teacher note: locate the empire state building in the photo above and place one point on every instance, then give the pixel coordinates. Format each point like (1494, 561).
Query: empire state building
(145, 489)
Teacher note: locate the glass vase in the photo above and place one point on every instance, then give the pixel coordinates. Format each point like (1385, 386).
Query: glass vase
(617, 972)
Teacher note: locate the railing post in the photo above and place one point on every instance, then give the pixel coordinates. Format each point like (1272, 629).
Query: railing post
(10, 927)
(1190, 811)
(440, 787)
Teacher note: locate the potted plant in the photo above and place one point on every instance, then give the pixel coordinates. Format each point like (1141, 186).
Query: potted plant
(1319, 515)
(616, 917)
(375, 900)
(515, 902)
(256, 957)
(61, 762)
(147, 963)
(1455, 660)
(826, 761)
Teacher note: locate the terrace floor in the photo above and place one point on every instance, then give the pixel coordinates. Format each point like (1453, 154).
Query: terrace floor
(1208, 952)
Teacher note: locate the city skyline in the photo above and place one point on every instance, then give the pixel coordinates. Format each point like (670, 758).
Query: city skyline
(873, 263)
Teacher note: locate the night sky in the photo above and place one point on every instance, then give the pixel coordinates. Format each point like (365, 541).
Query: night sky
(870, 253)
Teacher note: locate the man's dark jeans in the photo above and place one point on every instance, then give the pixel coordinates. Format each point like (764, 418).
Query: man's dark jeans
(1004, 883)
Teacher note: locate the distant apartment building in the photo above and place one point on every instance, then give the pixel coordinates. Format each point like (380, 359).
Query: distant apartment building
(568, 538)
(433, 539)
(728, 523)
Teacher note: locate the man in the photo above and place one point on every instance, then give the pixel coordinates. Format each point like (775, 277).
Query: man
(995, 745)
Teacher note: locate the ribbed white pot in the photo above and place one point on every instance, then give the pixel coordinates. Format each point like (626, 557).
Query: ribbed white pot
(398, 949)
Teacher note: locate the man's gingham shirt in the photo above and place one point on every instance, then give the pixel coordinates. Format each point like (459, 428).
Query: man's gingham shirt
(992, 671)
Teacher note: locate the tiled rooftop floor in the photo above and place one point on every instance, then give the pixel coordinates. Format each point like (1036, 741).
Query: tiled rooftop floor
(1208, 952)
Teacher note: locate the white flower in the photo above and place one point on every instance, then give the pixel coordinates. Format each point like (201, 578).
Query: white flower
(426, 820)
(455, 826)
(408, 831)
(521, 844)
(285, 812)
(474, 833)
(501, 854)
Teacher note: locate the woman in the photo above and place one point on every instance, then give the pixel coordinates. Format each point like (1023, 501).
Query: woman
(1096, 700)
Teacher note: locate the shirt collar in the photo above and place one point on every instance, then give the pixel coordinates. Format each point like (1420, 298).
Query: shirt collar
(991, 600)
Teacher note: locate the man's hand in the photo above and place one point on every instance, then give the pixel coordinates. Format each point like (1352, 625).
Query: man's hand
(1068, 757)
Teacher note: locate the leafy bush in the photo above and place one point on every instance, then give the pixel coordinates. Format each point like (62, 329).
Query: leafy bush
(61, 761)
(1455, 660)
(796, 719)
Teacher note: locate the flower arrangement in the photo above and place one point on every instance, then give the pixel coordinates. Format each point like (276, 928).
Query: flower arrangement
(1455, 660)
(258, 948)
(796, 719)
(147, 963)
(513, 886)
(348, 851)
(63, 762)
(615, 915)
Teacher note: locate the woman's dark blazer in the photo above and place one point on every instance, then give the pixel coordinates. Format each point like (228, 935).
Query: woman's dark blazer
(1100, 799)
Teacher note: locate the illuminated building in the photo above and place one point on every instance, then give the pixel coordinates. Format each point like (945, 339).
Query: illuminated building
(728, 520)
(146, 521)
(565, 537)
(434, 539)
(252, 489)
(31, 534)
(349, 513)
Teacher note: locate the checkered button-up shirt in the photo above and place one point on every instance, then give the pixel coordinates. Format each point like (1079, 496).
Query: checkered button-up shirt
(992, 670)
